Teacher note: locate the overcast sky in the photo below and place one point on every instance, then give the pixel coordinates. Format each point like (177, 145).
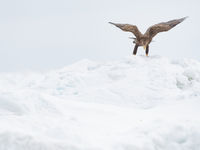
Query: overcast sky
(48, 34)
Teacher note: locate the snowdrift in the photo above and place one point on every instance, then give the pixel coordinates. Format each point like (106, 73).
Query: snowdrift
(137, 103)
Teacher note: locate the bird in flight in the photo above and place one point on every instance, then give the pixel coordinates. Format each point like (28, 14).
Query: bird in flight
(146, 38)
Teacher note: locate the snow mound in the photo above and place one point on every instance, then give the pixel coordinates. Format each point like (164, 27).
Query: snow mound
(137, 103)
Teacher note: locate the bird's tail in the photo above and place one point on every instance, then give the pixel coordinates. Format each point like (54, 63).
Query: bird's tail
(132, 38)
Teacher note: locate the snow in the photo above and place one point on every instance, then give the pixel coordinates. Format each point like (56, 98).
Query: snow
(136, 103)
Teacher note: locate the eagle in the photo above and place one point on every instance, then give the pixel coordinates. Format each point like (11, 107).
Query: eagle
(146, 38)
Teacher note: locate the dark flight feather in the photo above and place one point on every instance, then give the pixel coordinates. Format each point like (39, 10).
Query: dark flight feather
(162, 27)
(128, 28)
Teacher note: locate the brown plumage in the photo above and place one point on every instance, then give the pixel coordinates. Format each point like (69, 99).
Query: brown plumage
(146, 38)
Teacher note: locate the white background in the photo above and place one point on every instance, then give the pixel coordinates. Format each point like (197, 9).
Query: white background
(47, 34)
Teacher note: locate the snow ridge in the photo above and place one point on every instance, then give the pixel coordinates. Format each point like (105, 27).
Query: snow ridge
(140, 103)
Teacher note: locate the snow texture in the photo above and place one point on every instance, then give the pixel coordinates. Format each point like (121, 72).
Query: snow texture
(137, 103)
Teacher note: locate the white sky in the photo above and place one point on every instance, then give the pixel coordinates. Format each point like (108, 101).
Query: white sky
(47, 34)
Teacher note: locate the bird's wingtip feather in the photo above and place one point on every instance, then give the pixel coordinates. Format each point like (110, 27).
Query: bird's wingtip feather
(111, 23)
(182, 19)
(185, 17)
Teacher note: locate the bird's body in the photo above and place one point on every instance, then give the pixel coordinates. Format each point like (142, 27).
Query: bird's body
(146, 38)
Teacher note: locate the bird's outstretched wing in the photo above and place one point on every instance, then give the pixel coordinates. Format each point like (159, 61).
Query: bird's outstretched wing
(128, 28)
(162, 27)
